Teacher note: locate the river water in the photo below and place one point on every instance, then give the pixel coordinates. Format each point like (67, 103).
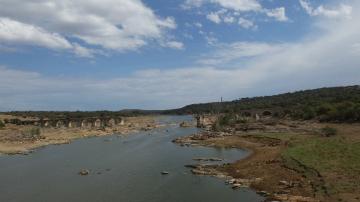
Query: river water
(123, 169)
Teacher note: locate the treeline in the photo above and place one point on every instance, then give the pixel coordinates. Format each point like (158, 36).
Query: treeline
(82, 114)
(341, 104)
(337, 104)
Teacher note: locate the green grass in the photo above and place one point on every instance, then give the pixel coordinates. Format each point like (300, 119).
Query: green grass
(327, 154)
(321, 153)
(330, 157)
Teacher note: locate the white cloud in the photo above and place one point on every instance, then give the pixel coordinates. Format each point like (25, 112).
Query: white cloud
(14, 32)
(227, 53)
(232, 9)
(342, 11)
(211, 40)
(214, 17)
(198, 24)
(110, 24)
(209, 37)
(229, 19)
(174, 45)
(238, 5)
(247, 24)
(278, 13)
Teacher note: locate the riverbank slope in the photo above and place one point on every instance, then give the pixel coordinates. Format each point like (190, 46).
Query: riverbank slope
(290, 161)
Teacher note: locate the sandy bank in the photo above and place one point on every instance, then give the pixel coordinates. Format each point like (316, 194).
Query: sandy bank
(13, 140)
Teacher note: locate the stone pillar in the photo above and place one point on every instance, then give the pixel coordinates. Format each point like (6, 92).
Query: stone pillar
(257, 117)
(121, 122)
(111, 123)
(84, 124)
(98, 123)
(200, 121)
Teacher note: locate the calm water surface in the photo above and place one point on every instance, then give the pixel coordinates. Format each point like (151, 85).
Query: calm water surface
(123, 168)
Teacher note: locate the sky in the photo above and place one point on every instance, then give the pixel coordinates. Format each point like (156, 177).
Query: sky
(150, 54)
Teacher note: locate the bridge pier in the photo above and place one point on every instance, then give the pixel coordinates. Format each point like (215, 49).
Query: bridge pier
(91, 122)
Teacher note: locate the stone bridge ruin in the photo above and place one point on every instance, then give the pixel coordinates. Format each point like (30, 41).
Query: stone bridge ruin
(92, 122)
(204, 120)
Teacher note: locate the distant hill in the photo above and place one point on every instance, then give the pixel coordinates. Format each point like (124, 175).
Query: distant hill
(339, 104)
(326, 104)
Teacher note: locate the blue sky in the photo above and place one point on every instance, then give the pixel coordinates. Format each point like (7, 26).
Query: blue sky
(116, 54)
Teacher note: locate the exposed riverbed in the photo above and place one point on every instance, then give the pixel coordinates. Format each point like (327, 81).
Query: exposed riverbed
(122, 168)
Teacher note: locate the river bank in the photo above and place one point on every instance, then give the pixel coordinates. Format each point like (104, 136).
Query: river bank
(296, 165)
(16, 139)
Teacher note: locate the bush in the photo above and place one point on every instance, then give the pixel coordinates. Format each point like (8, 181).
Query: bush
(2, 125)
(217, 127)
(328, 131)
(308, 113)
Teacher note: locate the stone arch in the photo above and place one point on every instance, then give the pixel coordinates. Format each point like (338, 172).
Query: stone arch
(85, 124)
(73, 124)
(98, 123)
(59, 124)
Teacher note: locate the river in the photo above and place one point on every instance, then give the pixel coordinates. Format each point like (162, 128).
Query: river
(122, 169)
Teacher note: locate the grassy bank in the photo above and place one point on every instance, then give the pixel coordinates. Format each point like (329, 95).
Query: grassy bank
(336, 159)
(332, 164)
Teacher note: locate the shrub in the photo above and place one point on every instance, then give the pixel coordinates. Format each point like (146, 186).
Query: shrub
(2, 125)
(328, 131)
(217, 127)
(308, 113)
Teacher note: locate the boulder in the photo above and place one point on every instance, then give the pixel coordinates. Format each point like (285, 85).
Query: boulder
(84, 172)
(184, 124)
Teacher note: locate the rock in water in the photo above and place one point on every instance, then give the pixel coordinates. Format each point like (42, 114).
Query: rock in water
(84, 172)
(184, 124)
(164, 172)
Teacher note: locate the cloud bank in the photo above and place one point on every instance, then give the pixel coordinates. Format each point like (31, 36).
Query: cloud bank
(119, 25)
(326, 57)
(342, 11)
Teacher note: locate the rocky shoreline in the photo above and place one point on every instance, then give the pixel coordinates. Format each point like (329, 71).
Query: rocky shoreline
(288, 187)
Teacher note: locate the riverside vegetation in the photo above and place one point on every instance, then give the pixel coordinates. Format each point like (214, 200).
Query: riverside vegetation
(305, 145)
